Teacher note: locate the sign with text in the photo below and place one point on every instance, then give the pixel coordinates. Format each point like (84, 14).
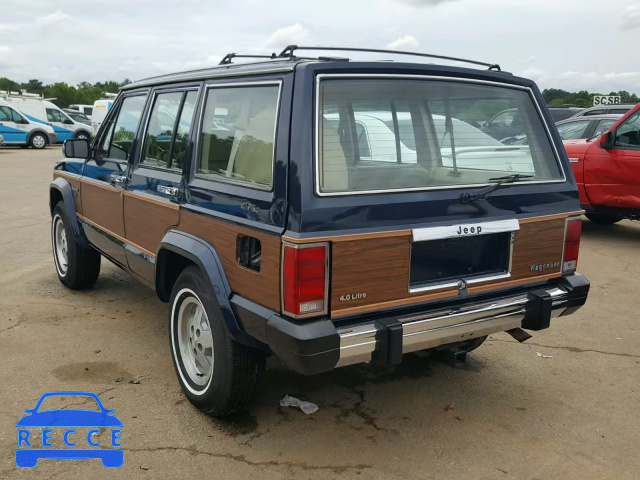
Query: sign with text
(606, 100)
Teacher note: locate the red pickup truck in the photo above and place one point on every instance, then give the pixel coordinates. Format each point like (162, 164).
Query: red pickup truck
(607, 170)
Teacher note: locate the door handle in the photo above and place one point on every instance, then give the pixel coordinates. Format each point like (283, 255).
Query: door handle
(171, 191)
(119, 178)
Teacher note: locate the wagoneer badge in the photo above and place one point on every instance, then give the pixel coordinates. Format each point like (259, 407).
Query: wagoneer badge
(544, 266)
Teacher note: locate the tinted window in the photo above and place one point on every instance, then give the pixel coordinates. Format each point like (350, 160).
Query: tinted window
(88, 110)
(157, 144)
(619, 111)
(238, 132)
(603, 126)
(573, 130)
(16, 117)
(166, 139)
(435, 138)
(118, 140)
(5, 114)
(598, 111)
(628, 134)
(53, 115)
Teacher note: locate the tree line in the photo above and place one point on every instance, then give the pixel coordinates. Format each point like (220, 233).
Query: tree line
(87, 93)
(556, 97)
(64, 94)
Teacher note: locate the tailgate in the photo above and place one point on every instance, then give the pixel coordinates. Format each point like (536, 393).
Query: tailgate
(391, 269)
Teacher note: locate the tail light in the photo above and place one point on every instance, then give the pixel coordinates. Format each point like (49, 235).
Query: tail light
(304, 279)
(571, 245)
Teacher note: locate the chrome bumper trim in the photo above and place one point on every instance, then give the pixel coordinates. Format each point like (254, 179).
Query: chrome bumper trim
(432, 329)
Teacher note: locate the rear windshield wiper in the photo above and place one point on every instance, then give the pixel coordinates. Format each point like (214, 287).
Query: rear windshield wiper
(484, 193)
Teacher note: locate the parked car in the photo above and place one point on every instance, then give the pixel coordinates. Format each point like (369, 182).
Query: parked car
(603, 110)
(585, 127)
(606, 169)
(77, 116)
(86, 110)
(562, 113)
(17, 129)
(271, 230)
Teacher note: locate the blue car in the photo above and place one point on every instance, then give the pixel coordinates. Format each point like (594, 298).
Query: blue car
(67, 418)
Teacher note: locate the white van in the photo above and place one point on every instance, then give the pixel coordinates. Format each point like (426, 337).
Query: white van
(100, 109)
(85, 109)
(36, 109)
(17, 129)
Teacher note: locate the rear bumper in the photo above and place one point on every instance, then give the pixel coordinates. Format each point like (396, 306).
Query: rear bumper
(315, 347)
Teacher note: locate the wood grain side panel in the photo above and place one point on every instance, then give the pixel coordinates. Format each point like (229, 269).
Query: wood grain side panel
(380, 269)
(102, 204)
(146, 221)
(539, 243)
(262, 287)
(74, 181)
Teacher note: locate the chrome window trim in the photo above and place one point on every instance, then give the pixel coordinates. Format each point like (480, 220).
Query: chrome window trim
(325, 310)
(155, 93)
(196, 156)
(316, 160)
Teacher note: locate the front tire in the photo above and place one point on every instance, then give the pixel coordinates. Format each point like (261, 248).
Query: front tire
(83, 135)
(38, 141)
(218, 375)
(77, 267)
(600, 219)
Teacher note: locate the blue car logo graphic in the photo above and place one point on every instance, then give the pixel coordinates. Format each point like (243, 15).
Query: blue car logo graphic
(36, 432)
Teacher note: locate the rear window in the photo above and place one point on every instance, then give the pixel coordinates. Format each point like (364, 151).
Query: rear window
(404, 134)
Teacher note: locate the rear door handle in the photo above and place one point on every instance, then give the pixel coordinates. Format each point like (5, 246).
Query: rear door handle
(171, 191)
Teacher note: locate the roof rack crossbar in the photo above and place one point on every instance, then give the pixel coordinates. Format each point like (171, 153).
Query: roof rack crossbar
(230, 56)
(288, 52)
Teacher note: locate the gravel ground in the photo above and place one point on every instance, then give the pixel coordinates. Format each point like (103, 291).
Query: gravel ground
(507, 414)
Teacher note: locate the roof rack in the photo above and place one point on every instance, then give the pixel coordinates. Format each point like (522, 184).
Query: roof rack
(288, 52)
(230, 56)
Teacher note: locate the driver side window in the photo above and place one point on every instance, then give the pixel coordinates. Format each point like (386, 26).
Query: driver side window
(117, 143)
(628, 134)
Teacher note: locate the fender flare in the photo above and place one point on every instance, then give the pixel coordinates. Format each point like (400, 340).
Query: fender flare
(205, 256)
(38, 130)
(61, 185)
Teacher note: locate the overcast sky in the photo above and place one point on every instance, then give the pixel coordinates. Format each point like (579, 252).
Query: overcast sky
(570, 44)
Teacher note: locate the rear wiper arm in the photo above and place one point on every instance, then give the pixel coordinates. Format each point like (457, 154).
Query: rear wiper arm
(484, 193)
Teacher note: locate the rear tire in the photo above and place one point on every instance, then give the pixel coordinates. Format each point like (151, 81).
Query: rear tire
(601, 219)
(77, 267)
(38, 141)
(218, 375)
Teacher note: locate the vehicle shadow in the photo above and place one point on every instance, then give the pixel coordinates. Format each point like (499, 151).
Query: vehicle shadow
(625, 230)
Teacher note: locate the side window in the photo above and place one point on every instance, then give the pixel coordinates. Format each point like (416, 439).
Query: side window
(598, 111)
(5, 114)
(185, 122)
(504, 119)
(238, 132)
(603, 126)
(53, 115)
(573, 130)
(160, 130)
(118, 140)
(618, 111)
(16, 117)
(628, 134)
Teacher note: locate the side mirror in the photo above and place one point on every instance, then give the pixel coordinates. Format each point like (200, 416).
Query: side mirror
(607, 140)
(76, 148)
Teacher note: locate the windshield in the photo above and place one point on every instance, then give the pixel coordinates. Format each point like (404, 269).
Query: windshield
(395, 134)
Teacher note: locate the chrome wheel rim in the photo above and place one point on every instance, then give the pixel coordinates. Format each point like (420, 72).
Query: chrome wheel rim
(60, 245)
(39, 141)
(195, 341)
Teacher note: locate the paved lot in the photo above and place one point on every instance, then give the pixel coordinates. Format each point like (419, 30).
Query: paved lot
(513, 414)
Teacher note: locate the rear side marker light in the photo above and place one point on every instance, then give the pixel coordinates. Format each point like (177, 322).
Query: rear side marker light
(571, 245)
(304, 279)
